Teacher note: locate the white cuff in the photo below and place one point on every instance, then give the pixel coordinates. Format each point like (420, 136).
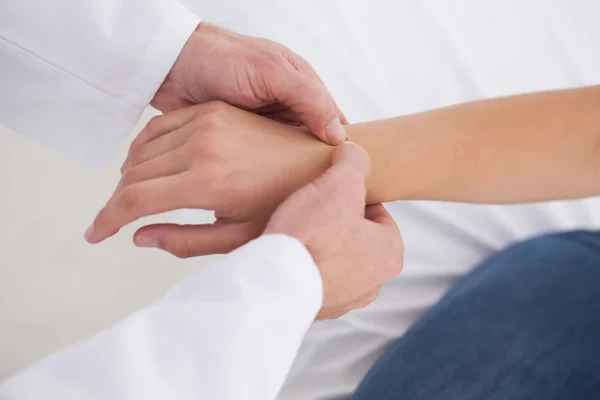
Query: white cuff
(178, 26)
(70, 106)
(277, 265)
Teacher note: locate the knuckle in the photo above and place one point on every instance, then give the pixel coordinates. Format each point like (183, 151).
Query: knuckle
(306, 66)
(134, 147)
(155, 123)
(180, 248)
(107, 221)
(196, 148)
(213, 178)
(212, 120)
(129, 198)
(102, 219)
(365, 302)
(304, 90)
(270, 44)
(138, 155)
(217, 106)
(206, 146)
(273, 67)
(153, 128)
(395, 265)
(269, 55)
(128, 177)
(330, 313)
(214, 144)
(367, 299)
(372, 297)
(211, 115)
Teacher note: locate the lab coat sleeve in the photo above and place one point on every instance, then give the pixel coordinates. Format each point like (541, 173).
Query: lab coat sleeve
(230, 332)
(76, 75)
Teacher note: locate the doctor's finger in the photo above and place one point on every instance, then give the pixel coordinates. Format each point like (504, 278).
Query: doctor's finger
(343, 184)
(185, 241)
(366, 299)
(378, 214)
(139, 200)
(307, 69)
(313, 104)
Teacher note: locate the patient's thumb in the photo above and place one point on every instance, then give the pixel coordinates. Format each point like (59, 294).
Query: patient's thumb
(186, 241)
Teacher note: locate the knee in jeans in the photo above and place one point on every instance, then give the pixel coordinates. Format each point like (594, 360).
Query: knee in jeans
(560, 261)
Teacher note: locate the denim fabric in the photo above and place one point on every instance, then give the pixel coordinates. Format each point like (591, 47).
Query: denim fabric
(525, 324)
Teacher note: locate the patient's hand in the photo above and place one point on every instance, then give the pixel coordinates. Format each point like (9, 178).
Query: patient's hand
(214, 157)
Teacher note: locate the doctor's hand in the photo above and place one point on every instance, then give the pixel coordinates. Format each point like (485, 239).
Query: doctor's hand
(254, 74)
(355, 249)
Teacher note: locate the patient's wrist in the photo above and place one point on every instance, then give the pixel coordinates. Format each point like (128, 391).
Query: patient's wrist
(398, 170)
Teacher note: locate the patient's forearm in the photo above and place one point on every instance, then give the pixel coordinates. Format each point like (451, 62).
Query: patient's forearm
(524, 148)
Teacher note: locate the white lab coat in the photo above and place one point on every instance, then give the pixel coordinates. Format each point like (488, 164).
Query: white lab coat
(228, 332)
(76, 75)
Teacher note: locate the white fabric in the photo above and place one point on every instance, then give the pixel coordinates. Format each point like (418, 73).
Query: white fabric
(88, 68)
(228, 332)
(382, 58)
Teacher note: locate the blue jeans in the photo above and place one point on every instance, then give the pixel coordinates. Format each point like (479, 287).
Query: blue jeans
(524, 325)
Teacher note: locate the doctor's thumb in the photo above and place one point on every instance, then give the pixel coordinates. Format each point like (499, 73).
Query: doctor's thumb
(344, 181)
(315, 107)
(332, 199)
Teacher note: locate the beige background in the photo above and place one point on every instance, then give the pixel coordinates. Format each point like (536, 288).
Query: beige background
(47, 271)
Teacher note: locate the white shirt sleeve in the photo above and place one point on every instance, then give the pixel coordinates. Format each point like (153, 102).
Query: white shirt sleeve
(229, 332)
(76, 75)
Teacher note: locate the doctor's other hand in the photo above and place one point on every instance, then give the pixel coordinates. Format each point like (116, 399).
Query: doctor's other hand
(356, 249)
(254, 74)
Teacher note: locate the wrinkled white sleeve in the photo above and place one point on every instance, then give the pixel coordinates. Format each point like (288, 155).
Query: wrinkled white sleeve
(229, 332)
(76, 75)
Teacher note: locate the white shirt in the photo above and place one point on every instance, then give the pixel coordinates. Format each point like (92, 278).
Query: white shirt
(230, 331)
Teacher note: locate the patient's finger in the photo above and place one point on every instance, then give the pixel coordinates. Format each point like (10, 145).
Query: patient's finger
(158, 126)
(196, 240)
(161, 145)
(169, 163)
(142, 199)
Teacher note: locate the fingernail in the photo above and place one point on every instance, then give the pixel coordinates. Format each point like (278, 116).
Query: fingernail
(335, 132)
(145, 241)
(123, 166)
(89, 232)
